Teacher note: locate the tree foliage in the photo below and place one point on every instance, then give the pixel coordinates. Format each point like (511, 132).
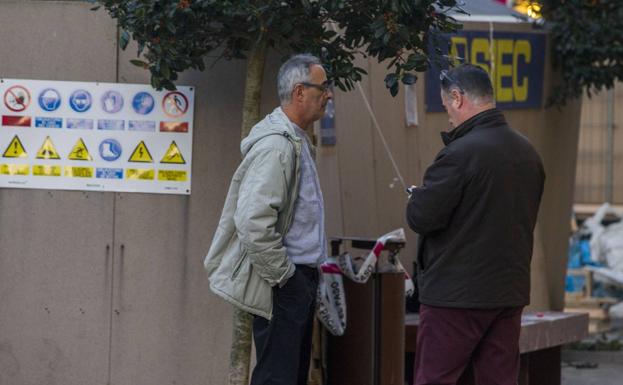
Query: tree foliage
(587, 44)
(175, 35)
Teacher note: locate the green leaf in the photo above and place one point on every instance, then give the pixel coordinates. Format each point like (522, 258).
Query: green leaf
(139, 63)
(393, 90)
(409, 79)
(176, 35)
(391, 80)
(124, 39)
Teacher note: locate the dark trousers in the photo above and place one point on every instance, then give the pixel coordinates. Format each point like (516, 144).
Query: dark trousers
(283, 344)
(449, 339)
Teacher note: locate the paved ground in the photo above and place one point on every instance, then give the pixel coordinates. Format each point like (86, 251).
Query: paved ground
(604, 374)
(609, 370)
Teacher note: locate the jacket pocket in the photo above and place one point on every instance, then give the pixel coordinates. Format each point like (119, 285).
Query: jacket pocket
(238, 264)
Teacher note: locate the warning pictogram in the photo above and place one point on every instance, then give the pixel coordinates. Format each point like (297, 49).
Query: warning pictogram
(47, 150)
(175, 104)
(17, 98)
(141, 154)
(15, 149)
(173, 155)
(80, 151)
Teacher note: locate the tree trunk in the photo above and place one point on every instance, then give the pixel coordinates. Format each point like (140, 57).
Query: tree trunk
(253, 86)
(240, 356)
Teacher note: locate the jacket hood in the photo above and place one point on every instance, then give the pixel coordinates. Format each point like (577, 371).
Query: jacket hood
(275, 123)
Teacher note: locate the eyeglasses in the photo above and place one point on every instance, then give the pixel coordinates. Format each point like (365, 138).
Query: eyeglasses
(324, 87)
(445, 77)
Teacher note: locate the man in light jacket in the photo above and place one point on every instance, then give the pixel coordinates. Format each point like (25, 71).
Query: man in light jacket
(270, 238)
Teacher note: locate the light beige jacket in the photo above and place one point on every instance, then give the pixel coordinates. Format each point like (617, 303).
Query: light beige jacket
(247, 256)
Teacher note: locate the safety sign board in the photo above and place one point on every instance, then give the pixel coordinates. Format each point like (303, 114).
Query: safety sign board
(95, 136)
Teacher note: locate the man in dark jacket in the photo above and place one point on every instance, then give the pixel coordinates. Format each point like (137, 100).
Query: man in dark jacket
(475, 213)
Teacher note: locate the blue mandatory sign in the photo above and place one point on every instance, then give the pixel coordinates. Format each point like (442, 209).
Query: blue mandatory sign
(110, 150)
(143, 103)
(112, 102)
(109, 173)
(80, 100)
(49, 100)
(44, 122)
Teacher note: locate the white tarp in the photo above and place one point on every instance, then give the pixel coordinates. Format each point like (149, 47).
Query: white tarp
(95, 136)
(606, 241)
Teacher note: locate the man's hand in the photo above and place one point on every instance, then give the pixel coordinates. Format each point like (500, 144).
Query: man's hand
(410, 190)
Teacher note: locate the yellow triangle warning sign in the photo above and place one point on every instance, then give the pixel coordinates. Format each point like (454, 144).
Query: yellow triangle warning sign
(173, 155)
(47, 150)
(141, 154)
(80, 151)
(15, 149)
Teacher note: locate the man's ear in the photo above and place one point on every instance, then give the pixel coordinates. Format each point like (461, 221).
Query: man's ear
(297, 93)
(457, 98)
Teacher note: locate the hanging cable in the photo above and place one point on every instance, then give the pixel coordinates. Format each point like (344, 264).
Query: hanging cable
(380, 132)
(491, 55)
(378, 128)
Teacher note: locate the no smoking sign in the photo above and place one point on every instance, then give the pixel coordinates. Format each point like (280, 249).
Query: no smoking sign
(17, 98)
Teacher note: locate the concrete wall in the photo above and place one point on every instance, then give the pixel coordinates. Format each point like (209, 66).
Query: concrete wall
(99, 288)
(109, 288)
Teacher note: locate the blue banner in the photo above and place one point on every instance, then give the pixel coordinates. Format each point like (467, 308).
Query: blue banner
(518, 65)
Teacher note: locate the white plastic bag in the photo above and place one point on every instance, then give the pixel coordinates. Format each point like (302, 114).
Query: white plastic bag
(331, 301)
(611, 246)
(606, 242)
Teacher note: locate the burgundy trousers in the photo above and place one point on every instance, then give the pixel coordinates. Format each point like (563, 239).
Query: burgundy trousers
(450, 339)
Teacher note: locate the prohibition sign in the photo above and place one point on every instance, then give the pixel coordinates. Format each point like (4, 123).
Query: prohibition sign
(17, 98)
(175, 104)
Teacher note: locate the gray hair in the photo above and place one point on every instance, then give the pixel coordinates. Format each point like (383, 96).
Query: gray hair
(295, 70)
(471, 80)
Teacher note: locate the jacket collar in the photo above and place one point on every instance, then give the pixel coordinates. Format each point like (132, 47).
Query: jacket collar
(275, 123)
(489, 118)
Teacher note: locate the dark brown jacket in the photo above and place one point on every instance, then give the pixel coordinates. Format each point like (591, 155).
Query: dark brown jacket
(475, 213)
